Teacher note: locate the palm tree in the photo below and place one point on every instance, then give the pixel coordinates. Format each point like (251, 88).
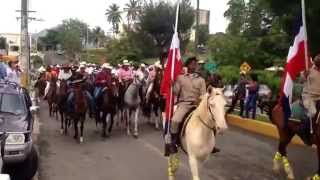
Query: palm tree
(98, 36)
(133, 9)
(114, 17)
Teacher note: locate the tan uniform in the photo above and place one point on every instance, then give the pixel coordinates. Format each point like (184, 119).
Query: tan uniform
(311, 91)
(188, 88)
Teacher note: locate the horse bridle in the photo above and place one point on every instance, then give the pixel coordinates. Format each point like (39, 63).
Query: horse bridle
(211, 114)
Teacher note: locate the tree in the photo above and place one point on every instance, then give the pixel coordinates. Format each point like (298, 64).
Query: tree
(203, 34)
(236, 14)
(133, 9)
(114, 17)
(98, 36)
(289, 10)
(157, 21)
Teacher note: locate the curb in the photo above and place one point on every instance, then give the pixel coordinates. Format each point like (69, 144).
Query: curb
(258, 127)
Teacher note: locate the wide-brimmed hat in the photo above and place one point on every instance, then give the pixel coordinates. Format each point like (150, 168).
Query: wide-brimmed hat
(201, 61)
(82, 66)
(126, 62)
(142, 65)
(106, 65)
(42, 69)
(158, 64)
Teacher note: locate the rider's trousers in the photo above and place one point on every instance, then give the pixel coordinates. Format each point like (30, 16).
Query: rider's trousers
(179, 115)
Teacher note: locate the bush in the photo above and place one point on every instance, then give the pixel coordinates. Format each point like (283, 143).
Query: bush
(229, 74)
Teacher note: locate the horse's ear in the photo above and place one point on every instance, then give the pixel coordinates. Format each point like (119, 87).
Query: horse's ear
(209, 89)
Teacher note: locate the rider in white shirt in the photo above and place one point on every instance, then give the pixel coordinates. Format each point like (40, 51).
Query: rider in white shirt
(13, 72)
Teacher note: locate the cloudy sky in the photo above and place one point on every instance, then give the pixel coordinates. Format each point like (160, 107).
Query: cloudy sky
(89, 11)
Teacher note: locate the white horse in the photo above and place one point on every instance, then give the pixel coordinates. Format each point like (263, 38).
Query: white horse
(199, 137)
(132, 102)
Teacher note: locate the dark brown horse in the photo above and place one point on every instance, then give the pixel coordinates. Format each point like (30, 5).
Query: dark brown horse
(286, 133)
(62, 105)
(40, 85)
(52, 97)
(80, 109)
(107, 109)
(154, 102)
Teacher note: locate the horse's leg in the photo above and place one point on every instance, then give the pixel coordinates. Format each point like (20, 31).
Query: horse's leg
(75, 124)
(194, 166)
(50, 108)
(136, 119)
(104, 124)
(111, 122)
(157, 118)
(127, 113)
(281, 155)
(82, 120)
(66, 124)
(173, 165)
(62, 121)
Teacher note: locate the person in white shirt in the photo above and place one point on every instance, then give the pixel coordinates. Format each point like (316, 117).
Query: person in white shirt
(65, 74)
(13, 72)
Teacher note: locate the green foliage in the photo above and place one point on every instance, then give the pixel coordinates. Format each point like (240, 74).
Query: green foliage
(203, 34)
(37, 61)
(157, 21)
(229, 74)
(118, 50)
(133, 9)
(93, 55)
(271, 79)
(114, 17)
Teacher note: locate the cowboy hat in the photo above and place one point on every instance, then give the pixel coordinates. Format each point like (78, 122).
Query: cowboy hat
(126, 62)
(82, 66)
(142, 65)
(106, 65)
(158, 64)
(41, 69)
(201, 62)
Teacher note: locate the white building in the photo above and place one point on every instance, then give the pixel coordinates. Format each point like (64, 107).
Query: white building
(13, 41)
(204, 19)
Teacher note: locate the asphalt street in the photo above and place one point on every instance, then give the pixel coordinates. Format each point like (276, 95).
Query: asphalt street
(244, 155)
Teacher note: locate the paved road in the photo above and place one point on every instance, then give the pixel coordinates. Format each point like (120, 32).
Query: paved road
(244, 156)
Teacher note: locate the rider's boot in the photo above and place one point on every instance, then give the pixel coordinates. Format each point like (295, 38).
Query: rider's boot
(172, 148)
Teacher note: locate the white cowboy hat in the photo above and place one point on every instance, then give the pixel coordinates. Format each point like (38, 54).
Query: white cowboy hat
(106, 65)
(243, 72)
(83, 63)
(158, 64)
(41, 69)
(201, 62)
(82, 66)
(126, 62)
(142, 65)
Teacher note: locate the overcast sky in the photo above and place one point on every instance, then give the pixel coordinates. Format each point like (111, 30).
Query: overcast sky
(89, 11)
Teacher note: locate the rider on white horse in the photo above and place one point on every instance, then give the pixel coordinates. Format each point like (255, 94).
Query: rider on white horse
(188, 88)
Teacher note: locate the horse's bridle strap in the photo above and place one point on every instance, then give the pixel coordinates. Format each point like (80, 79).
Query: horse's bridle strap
(211, 113)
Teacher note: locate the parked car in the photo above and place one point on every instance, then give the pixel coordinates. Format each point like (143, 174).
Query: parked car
(17, 122)
(229, 93)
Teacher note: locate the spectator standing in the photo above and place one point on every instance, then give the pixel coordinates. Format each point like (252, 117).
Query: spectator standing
(253, 89)
(240, 94)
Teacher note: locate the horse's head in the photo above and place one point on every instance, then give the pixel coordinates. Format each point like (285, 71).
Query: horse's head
(216, 105)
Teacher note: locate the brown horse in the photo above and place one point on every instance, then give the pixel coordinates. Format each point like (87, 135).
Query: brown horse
(40, 85)
(62, 105)
(286, 134)
(107, 108)
(52, 97)
(80, 109)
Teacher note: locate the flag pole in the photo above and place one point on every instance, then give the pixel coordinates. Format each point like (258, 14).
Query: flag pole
(172, 69)
(304, 22)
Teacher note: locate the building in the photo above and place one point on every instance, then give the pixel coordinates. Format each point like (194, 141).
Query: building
(13, 43)
(204, 20)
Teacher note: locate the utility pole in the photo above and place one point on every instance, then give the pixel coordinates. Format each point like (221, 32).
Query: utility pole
(25, 45)
(196, 40)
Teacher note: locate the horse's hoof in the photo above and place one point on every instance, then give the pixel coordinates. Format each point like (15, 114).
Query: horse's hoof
(61, 131)
(81, 140)
(135, 135)
(172, 178)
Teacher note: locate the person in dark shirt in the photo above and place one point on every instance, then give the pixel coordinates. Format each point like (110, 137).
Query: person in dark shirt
(240, 94)
(253, 89)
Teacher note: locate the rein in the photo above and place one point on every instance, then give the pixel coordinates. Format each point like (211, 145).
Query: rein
(211, 114)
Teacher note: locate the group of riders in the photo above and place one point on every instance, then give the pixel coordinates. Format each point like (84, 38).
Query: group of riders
(188, 88)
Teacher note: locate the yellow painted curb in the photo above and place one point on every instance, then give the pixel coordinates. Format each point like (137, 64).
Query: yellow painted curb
(263, 128)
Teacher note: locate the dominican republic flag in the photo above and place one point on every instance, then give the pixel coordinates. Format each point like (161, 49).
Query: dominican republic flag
(297, 61)
(172, 70)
